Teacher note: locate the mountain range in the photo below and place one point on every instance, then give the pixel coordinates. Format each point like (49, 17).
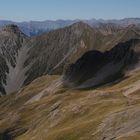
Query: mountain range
(70, 80)
(26, 58)
(33, 28)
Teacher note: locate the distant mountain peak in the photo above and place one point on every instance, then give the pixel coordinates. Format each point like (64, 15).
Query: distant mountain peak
(34, 28)
(80, 24)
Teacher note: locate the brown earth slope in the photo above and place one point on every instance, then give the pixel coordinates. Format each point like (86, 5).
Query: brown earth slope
(45, 110)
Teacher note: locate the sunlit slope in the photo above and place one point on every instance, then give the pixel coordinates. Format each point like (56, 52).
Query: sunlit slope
(48, 111)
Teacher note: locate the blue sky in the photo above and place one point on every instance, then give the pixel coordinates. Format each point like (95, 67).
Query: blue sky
(26, 10)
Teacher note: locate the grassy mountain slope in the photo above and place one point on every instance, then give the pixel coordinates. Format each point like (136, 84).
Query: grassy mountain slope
(46, 110)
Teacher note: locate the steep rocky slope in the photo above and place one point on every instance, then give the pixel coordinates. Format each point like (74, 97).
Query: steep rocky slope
(11, 46)
(53, 51)
(28, 59)
(24, 59)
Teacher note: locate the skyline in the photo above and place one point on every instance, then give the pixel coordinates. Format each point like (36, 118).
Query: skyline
(40, 10)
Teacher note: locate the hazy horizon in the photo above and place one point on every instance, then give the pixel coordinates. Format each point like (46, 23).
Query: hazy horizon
(41, 10)
(69, 19)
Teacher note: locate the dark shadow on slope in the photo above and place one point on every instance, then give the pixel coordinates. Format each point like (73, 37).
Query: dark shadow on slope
(12, 133)
(3, 70)
(95, 68)
(5, 136)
